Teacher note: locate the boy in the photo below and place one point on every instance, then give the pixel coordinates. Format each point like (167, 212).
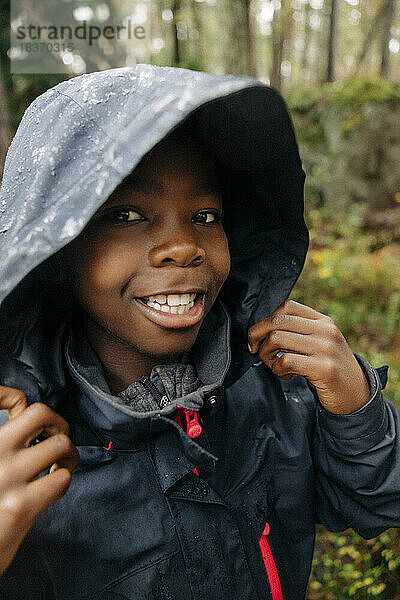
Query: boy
(156, 235)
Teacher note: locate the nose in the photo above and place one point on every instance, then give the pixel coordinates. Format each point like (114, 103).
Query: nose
(180, 250)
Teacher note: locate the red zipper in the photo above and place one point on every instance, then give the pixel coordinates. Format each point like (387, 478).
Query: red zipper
(270, 566)
(193, 427)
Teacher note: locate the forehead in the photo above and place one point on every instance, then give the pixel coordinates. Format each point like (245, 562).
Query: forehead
(179, 160)
(179, 153)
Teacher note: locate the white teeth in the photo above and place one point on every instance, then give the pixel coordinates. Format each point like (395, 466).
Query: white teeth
(180, 310)
(174, 300)
(176, 304)
(154, 305)
(185, 298)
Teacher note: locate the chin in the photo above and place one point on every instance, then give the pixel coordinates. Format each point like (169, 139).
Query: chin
(170, 349)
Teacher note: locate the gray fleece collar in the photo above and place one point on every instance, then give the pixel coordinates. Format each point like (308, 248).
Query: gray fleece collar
(172, 380)
(210, 357)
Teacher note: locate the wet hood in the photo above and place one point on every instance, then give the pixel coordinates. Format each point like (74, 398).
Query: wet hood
(79, 140)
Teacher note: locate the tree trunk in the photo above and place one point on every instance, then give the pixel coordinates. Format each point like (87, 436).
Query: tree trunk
(281, 36)
(330, 71)
(277, 50)
(5, 127)
(177, 54)
(307, 31)
(388, 14)
(198, 25)
(249, 37)
(233, 30)
(286, 36)
(373, 30)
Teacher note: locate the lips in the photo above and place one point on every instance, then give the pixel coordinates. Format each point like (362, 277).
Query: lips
(173, 310)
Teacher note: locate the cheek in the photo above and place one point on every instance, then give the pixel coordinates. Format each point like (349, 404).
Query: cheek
(222, 258)
(101, 268)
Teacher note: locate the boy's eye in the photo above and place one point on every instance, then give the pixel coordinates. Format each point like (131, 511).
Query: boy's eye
(124, 215)
(207, 216)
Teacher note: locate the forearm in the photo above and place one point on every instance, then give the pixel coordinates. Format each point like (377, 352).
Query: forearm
(357, 465)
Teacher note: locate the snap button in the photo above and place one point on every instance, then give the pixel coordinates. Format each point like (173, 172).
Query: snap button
(211, 400)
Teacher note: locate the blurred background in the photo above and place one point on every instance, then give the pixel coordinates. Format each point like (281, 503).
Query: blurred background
(337, 65)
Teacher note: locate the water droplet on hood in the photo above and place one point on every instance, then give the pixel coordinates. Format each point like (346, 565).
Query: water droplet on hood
(69, 229)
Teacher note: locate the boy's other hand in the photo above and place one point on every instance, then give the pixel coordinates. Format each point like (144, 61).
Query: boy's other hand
(24, 495)
(315, 348)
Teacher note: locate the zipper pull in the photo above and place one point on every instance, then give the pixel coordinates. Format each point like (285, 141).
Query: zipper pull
(193, 427)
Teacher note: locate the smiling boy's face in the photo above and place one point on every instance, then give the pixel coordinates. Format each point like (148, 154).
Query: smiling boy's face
(158, 235)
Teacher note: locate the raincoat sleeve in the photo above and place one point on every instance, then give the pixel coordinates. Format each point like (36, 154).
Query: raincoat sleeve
(357, 463)
(26, 577)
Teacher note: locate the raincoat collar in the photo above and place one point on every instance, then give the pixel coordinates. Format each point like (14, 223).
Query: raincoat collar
(124, 427)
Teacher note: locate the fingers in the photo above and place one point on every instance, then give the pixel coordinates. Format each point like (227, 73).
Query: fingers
(285, 341)
(31, 422)
(283, 322)
(22, 504)
(290, 307)
(48, 489)
(280, 322)
(291, 364)
(290, 316)
(21, 462)
(57, 450)
(12, 400)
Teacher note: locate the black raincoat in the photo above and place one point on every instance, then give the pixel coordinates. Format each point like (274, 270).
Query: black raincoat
(152, 513)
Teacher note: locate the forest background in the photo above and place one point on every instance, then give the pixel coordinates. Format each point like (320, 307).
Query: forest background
(337, 64)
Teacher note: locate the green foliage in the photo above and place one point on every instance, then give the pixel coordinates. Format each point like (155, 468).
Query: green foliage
(346, 97)
(346, 566)
(353, 92)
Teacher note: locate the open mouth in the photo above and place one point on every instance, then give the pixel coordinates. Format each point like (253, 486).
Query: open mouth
(177, 304)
